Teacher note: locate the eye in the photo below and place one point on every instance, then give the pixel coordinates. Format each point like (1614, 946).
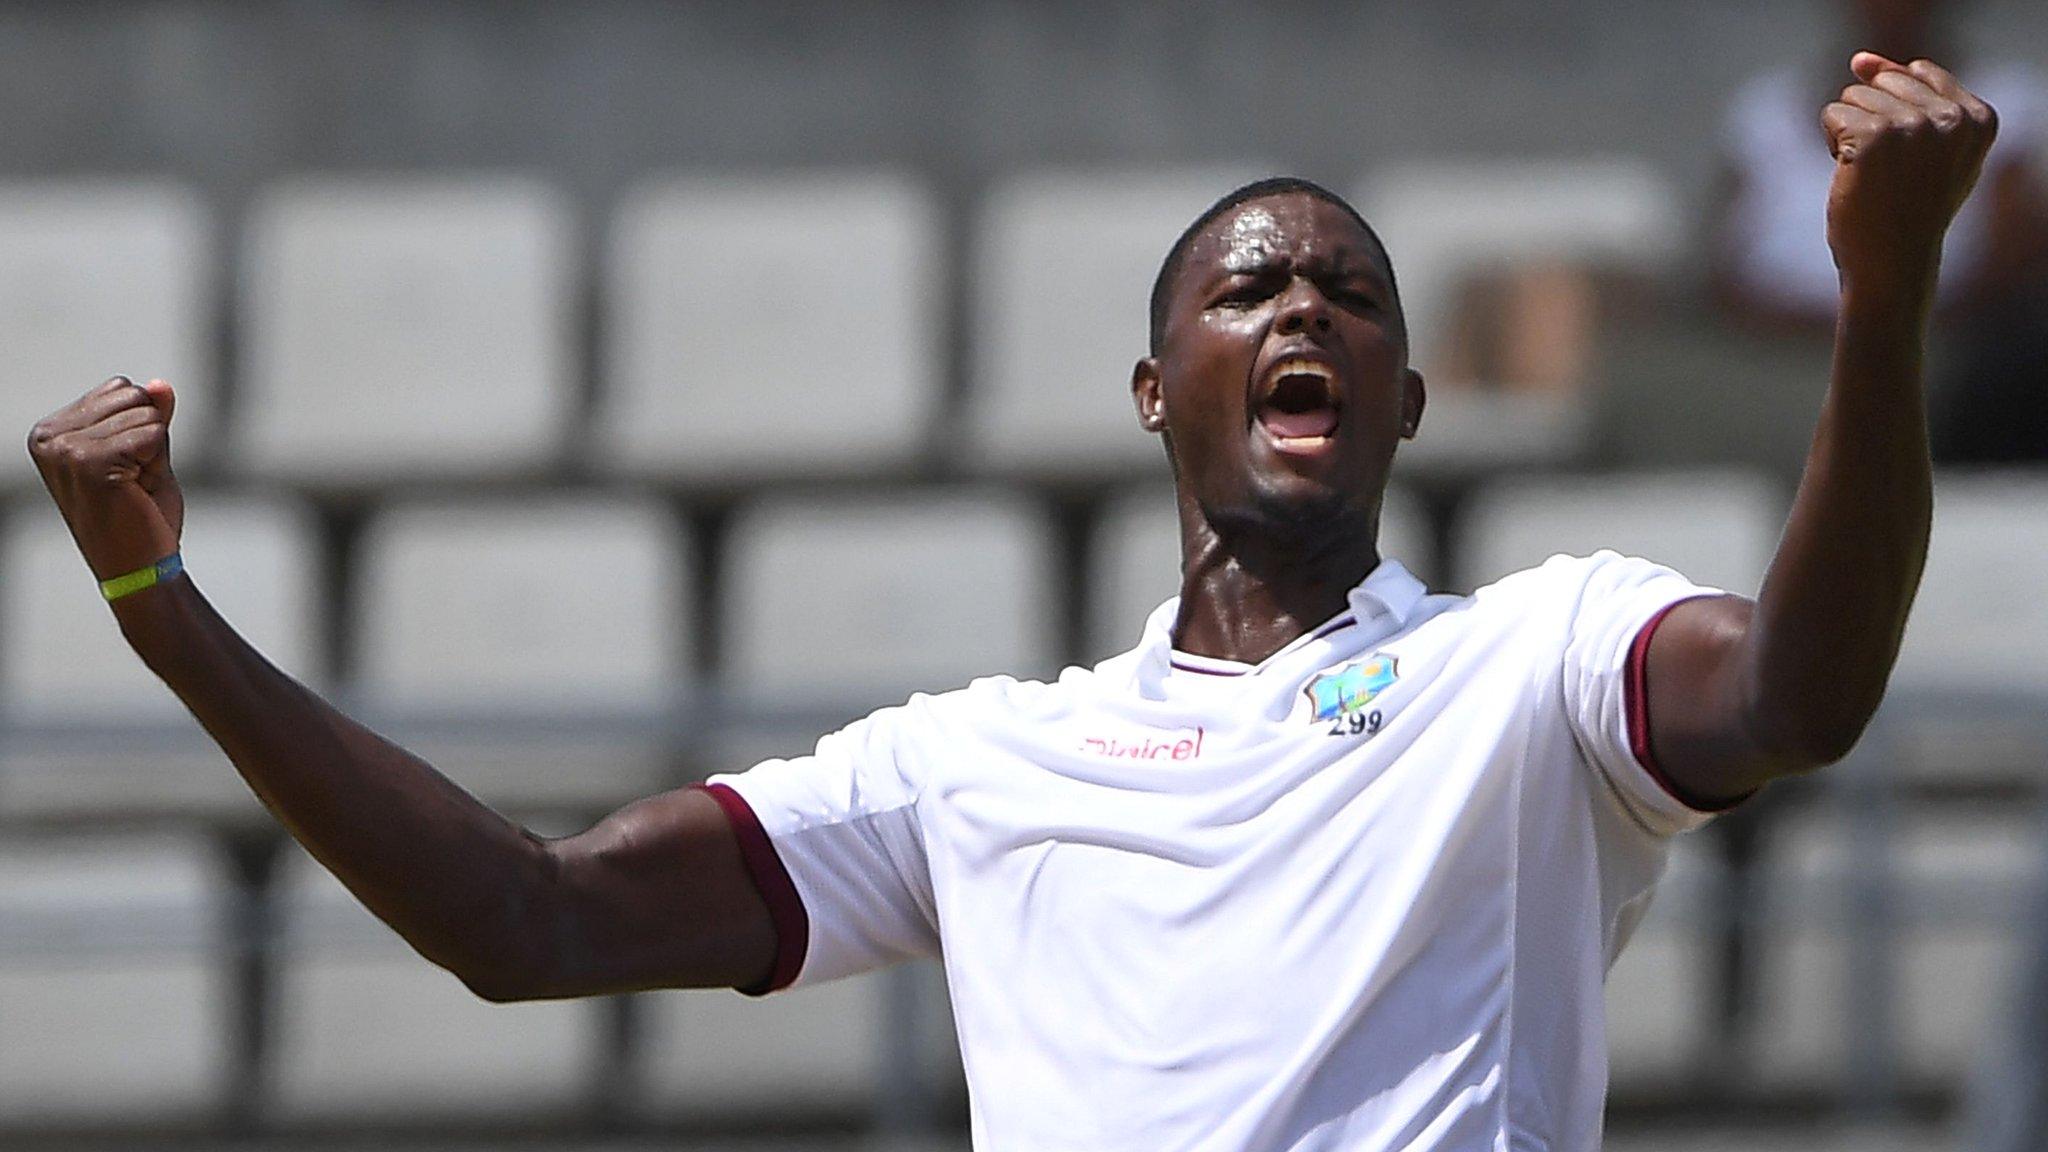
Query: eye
(1242, 293)
(1353, 296)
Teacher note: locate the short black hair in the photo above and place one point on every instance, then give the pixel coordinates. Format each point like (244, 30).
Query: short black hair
(1162, 284)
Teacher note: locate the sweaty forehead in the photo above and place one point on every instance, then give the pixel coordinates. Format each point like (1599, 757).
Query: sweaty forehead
(1298, 226)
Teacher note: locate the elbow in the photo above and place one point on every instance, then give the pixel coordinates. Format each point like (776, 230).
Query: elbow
(515, 960)
(500, 987)
(1801, 744)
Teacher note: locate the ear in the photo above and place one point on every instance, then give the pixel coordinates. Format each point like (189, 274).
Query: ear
(1412, 399)
(1148, 394)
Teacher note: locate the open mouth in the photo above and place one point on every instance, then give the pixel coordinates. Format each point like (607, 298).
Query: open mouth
(1299, 409)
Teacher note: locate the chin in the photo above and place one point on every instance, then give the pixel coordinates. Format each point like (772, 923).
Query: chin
(1295, 506)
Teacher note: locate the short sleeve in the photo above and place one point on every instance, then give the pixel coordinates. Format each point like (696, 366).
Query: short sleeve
(1605, 690)
(833, 842)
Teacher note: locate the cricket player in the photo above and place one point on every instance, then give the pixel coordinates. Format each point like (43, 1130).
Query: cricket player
(1326, 862)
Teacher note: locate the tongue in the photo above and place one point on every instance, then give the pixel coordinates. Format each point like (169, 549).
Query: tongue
(1295, 425)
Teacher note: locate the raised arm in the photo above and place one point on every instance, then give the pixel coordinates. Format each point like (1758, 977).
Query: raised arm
(656, 895)
(1742, 693)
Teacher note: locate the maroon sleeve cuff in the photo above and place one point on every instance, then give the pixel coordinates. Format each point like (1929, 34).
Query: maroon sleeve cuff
(771, 879)
(1635, 691)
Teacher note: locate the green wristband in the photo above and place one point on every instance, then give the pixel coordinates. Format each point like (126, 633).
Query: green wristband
(141, 578)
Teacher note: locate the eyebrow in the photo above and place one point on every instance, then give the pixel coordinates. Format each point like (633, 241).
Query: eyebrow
(1345, 263)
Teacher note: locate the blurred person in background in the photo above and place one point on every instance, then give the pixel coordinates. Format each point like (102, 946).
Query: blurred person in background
(1772, 270)
(1527, 328)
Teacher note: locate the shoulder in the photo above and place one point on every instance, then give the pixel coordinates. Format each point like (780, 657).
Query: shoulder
(1565, 590)
(1563, 576)
(989, 701)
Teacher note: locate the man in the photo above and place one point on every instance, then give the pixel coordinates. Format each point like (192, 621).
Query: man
(1326, 862)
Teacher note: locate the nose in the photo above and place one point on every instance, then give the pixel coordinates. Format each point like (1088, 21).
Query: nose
(1303, 309)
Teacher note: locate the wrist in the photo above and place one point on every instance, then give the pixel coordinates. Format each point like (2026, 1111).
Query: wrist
(142, 578)
(1904, 284)
(149, 619)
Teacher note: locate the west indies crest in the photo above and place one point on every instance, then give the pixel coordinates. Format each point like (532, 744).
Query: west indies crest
(1339, 693)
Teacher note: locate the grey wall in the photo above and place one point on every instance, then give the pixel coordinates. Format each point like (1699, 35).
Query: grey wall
(591, 93)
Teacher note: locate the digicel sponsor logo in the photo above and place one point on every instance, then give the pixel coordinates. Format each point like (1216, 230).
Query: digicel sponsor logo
(1181, 748)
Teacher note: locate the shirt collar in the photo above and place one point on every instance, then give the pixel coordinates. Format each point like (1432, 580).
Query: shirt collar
(1383, 602)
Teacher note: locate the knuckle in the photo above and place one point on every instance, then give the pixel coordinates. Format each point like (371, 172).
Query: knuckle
(73, 455)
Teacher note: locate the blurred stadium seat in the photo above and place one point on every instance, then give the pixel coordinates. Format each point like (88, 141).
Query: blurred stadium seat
(1445, 222)
(764, 327)
(65, 666)
(529, 648)
(923, 594)
(104, 278)
(1718, 528)
(1957, 892)
(842, 601)
(1980, 622)
(1136, 560)
(717, 1054)
(1063, 265)
(113, 1005)
(415, 329)
(369, 1030)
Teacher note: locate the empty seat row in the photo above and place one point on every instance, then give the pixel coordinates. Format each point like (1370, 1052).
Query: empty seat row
(136, 1025)
(535, 645)
(434, 327)
(1961, 887)
(113, 963)
(585, 601)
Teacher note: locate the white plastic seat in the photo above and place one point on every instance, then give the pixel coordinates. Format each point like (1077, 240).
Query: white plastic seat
(1444, 220)
(771, 326)
(115, 1003)
(66, 667)
(1718, 528)
(103, 278)
(834, 608)
(478, 617)
(713, 1053)
(1961, 907)
(405, 329)
(1136, 560)
(367, 1029)
(837, 601)
(1064, 264)
(1979, 621)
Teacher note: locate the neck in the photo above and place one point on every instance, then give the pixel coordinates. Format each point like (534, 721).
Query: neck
(1250, 589)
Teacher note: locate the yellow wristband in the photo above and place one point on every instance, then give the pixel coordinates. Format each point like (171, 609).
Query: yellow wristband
(136, 581)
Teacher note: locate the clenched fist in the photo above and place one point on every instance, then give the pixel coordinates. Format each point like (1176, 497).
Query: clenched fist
(1908, 142)
(106, 459)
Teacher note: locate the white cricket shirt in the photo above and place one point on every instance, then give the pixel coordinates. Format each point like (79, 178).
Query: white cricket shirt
(1361, 895)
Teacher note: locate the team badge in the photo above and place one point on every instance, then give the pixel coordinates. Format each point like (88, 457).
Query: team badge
(1351, 687)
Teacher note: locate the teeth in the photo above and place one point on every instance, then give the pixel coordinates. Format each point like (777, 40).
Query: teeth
(1296, 366)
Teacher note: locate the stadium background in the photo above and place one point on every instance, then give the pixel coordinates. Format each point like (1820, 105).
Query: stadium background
(600, 395)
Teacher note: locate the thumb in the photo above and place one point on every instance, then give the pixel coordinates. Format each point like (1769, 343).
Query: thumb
(1868, 65)
(163, 396)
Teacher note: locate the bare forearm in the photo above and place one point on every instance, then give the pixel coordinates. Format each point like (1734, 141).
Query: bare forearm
(1833, 607)
(457, 880)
